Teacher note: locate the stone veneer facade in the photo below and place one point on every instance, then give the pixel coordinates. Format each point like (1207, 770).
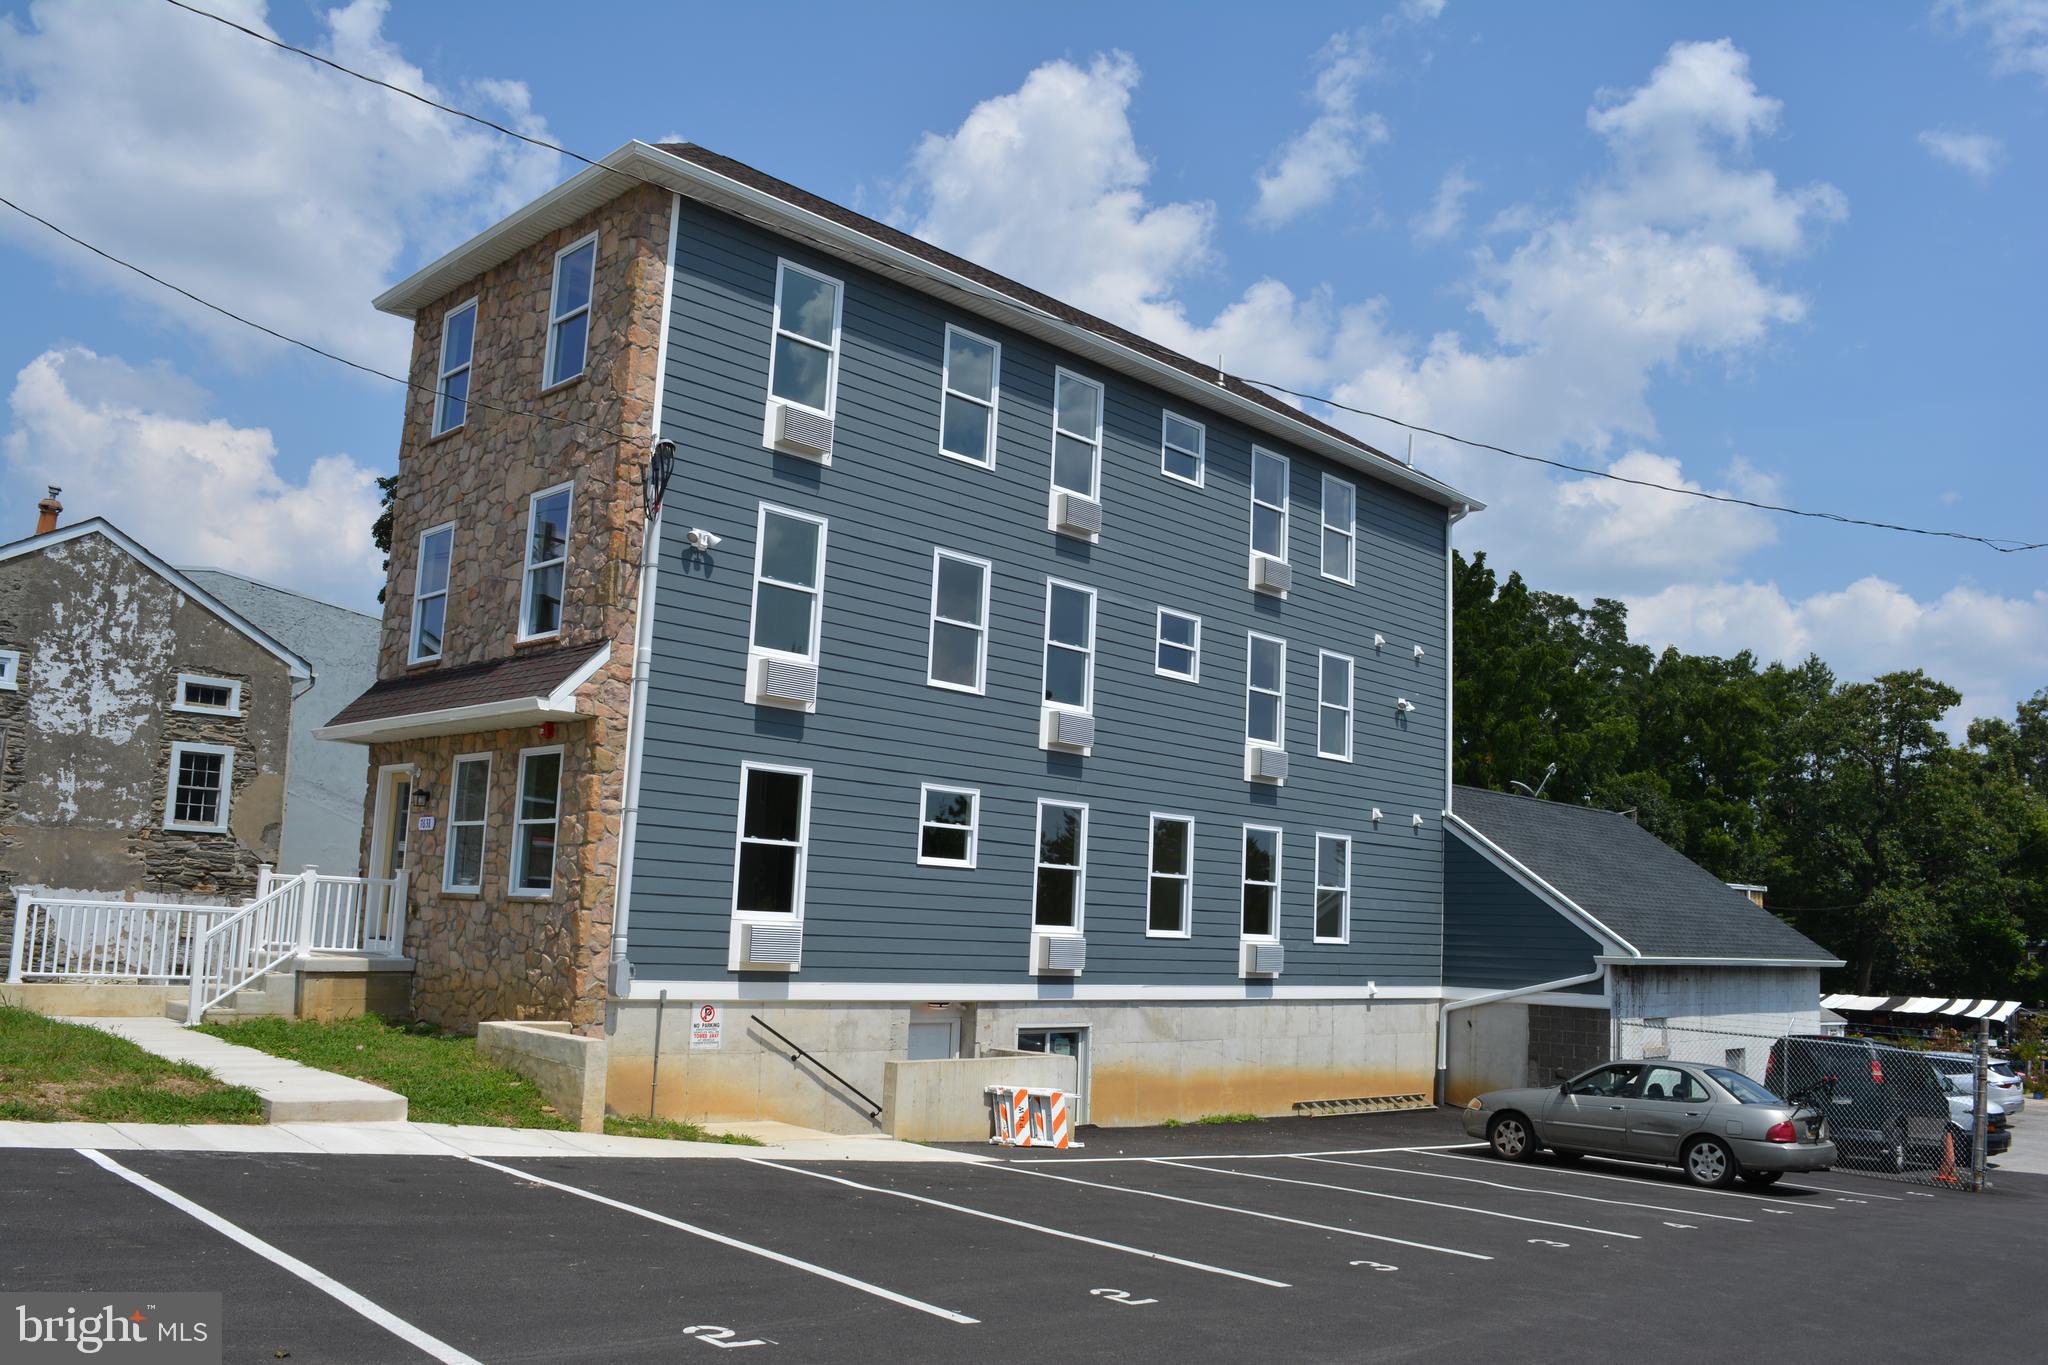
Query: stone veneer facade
(490, 955)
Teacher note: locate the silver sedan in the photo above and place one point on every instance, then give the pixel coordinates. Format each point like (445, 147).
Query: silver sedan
(1715, 1124)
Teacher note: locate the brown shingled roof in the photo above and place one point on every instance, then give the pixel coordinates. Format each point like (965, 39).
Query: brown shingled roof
(524, 675)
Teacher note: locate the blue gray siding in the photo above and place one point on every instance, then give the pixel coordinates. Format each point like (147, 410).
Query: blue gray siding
(1497, 934)
(872, 913)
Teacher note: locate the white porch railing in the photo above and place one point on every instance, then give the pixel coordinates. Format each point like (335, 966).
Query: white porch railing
(349, 914)
(253, 942)
(67, 939)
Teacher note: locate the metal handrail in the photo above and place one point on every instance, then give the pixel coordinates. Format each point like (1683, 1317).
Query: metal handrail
(874, 1110)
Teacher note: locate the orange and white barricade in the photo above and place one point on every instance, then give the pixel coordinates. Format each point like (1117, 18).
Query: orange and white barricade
(1027, 1116)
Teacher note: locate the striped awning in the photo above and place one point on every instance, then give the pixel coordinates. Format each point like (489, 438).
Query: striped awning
(1997, 1011)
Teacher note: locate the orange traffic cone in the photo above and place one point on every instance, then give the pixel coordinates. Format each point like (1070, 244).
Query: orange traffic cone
(1947, 1174)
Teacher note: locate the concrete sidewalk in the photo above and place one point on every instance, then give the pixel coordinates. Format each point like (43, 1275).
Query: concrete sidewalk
(291, 1092)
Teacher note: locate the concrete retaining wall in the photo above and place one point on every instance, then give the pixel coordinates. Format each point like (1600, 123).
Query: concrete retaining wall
(93, 999)
(947, 1101)
(568, 1068)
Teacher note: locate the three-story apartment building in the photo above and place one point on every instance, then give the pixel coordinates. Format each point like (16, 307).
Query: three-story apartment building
(1004, 680)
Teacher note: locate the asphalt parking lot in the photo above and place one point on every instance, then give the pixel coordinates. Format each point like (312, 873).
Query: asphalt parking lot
(1371, 1238)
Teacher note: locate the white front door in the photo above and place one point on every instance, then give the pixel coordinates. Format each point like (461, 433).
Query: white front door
(392, 821)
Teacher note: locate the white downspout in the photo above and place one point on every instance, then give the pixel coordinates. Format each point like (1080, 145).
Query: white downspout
(1443, 1018)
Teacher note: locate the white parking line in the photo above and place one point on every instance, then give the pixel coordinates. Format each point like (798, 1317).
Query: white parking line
(1637, 1180)
(1526, 1189)
(1221, 1156)
(707, 1234)
(1830, 1189)
(1020, 1223)
(1232, 1208)
(1400, 1198)
(334, 1289)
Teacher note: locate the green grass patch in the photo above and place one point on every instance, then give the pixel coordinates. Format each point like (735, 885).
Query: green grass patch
(1228, 1118)
(51, 1071)
(631, 1125)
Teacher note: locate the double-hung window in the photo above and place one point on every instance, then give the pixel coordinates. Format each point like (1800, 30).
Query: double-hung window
(536, 817)
(1333, 706)
(10, 670)
(430, 593)
(1261, 882)
(948, 826)
(1069, 646)
(1269, 504)
(1062, 882)
(1181, 445)
(1265, 708)
(201, 781)
(1340, 529)
(958, 658)
(1173, 858)
(547, 562)
(789, 580)
(774, 840)
(569, 311)
(469, 792)
(1178, 653)
(458, 349)
(1077, 436)
(1333, 888)
(803, 367)
(967, 404)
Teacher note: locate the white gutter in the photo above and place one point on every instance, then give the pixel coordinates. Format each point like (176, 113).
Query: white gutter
(1815, 962)
(1443, 1018)
(1514, 867)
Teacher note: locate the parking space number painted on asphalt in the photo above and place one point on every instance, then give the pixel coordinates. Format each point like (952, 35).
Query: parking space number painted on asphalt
(1120, 1296)
(1376, 1265)
(1546, 1242)
(723, 1337)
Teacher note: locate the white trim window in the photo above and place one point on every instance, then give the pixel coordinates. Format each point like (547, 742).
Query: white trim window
(1182, 444)
(1333, 888)
(1260, 917)
(569, 311)
(458, 350)
(773, 841)
(1177, 650)
(968, 389)
(198, 787)
(10, 670)
(803, 358)
(789, 583)
(1265, 690)
(536, 822)
(1333, 705)
(1069, 646)
(1170, 884)
(547, 561)
(1076, 435)
(203, 694)
(430, 572)
(957, 651)
(469, 802)
(1060, 893)
(1340, 529)
(1270, 475)
(948, 825)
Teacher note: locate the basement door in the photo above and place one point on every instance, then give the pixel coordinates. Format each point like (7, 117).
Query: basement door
(1062, 1042)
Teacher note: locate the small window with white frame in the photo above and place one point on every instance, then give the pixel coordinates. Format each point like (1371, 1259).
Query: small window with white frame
(958, 653)
(1169, 891)
(547, 562)
(536, 822)
(948, 825)
(1265, 710)
(1261, 917)
(774, 841)
(1270, 474)
(1333, 888)
(10, 670)
(569, 311)
(458, 349)
(1333, 705)
(205, 695)
(199, 787)
(789, 583)
(430, 593)
(1077, 436)
(1178, 650)
(803, 364)
(968, 394)
(1182, 446)
(1340, 529)
(1061, 889)
(469, 798)
(1069, 646)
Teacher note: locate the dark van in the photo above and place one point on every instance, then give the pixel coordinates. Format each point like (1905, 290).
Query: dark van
(1887, 1107)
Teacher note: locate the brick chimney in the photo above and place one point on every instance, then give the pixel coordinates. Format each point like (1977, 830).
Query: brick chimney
(47, 512)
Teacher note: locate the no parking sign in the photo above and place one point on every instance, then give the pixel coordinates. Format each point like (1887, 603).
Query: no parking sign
(707, 1024)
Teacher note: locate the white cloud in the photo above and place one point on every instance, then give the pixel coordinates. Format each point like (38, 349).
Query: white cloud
(2016, 31)
(1315, 162)
(136, 446)
(1421, 11)
(249, 175)
(1446, 212)
(1975, 154)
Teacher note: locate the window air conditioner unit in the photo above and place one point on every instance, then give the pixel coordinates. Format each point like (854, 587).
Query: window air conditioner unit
(772, 945)
(1072, 731)
(789, 683)
(1074, 515)
(1058, 952)
(799, 431)
(1271, 575)
(1264, 763)
(1261, 959)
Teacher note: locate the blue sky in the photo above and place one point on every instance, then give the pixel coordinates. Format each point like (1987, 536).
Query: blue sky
(1789, 251)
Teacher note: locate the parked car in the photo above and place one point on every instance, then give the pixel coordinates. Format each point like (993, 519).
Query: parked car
(2007, 1090)
(1715, 1124)
(1962, 1095)
(1885, 1106)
